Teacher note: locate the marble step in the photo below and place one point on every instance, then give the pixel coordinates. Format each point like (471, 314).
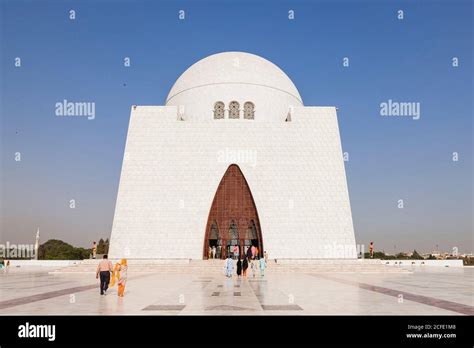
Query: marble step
(218, 268)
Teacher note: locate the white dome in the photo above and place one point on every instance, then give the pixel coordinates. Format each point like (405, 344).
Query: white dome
(234, 76)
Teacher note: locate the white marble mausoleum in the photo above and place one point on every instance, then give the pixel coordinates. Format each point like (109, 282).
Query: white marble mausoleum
(233, 157)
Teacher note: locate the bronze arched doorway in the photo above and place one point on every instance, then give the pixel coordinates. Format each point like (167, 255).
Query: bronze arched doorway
(233, 218)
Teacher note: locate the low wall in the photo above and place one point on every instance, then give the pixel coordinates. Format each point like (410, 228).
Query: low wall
(404, 263)
(140, 261)
(421, 263)
(43, 263)
(326, 261)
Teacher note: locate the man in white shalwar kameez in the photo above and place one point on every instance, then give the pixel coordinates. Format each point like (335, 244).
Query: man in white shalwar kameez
(229, 266)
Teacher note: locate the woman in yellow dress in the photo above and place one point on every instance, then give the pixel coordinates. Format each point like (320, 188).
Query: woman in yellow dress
(115, 275)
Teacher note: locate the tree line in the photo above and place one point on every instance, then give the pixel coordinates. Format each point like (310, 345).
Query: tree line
(55, 249)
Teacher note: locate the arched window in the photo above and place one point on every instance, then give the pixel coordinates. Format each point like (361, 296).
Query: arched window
(249, 111)
(214, 231)
(233, 232)
(252, 231)
(234, 110)
(218, 110)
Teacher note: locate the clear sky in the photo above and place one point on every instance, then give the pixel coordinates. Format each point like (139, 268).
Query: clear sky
(390, 158)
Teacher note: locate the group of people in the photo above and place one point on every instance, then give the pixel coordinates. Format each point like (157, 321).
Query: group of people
(214, 252)
(253, 261)
(232, 251)
(109, 275)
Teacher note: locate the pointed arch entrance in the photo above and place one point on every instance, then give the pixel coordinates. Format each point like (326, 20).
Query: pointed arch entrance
(233, 217)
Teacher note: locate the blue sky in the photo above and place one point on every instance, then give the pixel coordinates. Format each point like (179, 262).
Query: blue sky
(394, 158)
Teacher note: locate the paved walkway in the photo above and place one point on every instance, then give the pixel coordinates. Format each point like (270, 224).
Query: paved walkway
(428, 291)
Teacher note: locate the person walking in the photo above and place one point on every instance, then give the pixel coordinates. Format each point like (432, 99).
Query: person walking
(245, 265)
(253, 267)
(122, 277)
(371, 250)
(263, 265)
(265, 256)
(214, 252)
(115, 275)
(229, 266)
(103, 270)
(239, 267)
(249, 253)
(253, 251)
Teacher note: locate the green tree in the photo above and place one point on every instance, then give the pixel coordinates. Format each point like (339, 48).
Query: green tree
(377, 255)
(106, 246)
(55, 249)
(101, 247)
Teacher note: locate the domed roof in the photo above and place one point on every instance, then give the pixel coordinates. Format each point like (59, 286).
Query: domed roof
(234, 68)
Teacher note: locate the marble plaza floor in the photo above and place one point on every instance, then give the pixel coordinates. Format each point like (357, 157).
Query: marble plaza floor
(428, 291)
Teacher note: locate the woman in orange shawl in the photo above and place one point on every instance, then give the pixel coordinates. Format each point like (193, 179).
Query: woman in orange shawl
(122, 277)
(115, 275)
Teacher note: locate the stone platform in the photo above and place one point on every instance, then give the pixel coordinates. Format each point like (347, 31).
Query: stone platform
(217, 266)
(189, 290)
